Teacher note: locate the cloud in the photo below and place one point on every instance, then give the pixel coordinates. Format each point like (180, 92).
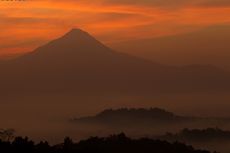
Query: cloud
(108, 20)
(172, 3)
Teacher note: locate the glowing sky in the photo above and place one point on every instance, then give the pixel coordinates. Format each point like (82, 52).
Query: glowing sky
(24, 25)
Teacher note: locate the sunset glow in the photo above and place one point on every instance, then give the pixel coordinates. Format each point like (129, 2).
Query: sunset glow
(28, 24)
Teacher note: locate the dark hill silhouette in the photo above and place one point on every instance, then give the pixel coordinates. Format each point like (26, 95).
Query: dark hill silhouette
(77, 62)
(134, 118)
(141, 118)
(113, 144)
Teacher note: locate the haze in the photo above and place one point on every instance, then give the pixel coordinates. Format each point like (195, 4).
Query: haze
(69, 59)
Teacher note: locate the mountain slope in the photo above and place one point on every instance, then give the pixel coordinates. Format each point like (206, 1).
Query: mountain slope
(77, 62)
(206, 46)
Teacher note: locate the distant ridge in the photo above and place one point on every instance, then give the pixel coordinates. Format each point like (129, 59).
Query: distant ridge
(139, 118)
(137, 112)
(199, 135)
(133, 116)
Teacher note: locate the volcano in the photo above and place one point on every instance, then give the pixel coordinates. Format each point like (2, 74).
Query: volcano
(77, 62)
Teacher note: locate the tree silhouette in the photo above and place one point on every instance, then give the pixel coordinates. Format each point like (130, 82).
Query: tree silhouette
(112, 144)
(7, 134)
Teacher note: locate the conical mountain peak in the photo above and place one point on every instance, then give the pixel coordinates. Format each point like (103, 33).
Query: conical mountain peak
(78, 63)
(74, 44)
(76, 33)
(76, 30)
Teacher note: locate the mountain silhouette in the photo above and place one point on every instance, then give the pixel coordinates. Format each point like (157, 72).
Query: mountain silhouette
(77, 62)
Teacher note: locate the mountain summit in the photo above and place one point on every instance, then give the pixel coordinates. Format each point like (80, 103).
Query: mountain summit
(78, 37)
(77, 33)
(75, 43)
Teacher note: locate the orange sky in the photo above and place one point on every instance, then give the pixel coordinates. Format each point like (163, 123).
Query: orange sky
(24, 25)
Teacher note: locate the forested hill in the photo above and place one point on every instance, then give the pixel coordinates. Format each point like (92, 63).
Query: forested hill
(125, 116)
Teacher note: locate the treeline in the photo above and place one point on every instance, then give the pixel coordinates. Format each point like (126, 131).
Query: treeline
(112, 144)
(209, 134)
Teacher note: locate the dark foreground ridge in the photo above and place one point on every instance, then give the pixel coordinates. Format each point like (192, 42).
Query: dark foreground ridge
(112, 144)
